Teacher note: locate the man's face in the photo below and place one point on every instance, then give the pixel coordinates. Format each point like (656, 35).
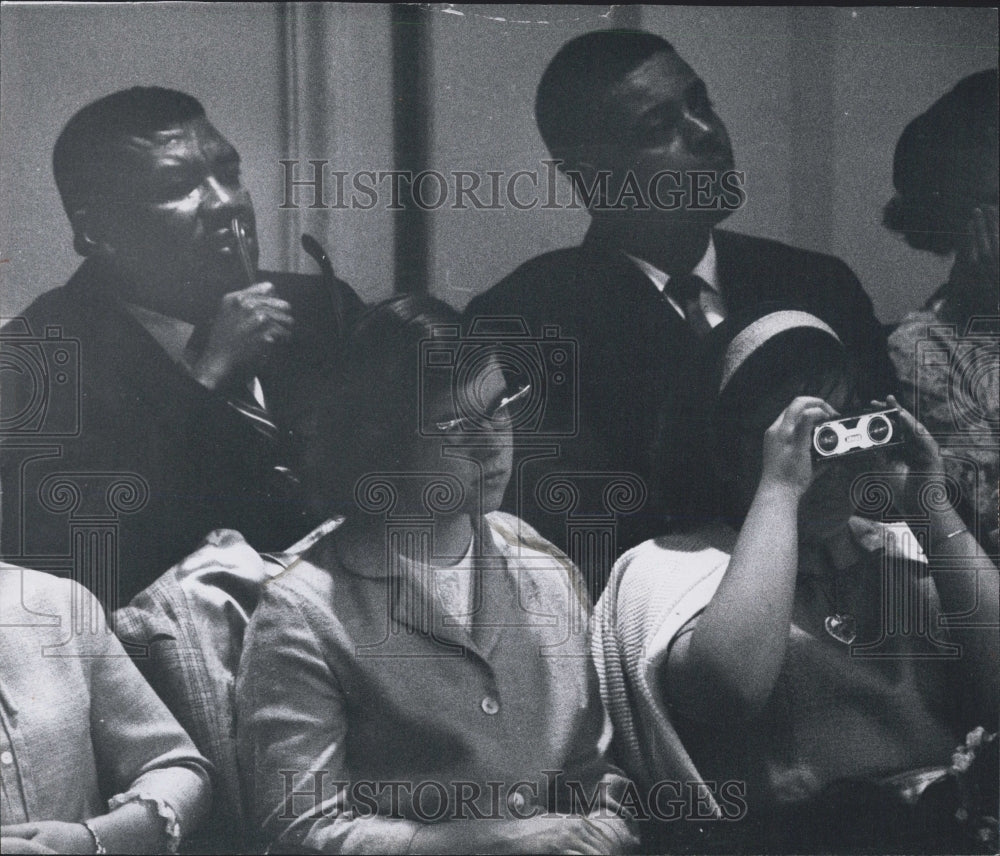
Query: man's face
(164, 221)
(661, 120)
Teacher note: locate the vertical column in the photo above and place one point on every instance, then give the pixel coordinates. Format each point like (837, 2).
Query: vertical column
(94, 502)
(411, 140)
(811, 168)
(591, 503)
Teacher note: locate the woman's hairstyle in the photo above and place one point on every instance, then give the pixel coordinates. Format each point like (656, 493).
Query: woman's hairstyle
(941, 162)
(754, 358)
(370, 421)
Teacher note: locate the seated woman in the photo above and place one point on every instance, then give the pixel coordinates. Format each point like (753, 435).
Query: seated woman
(419, 681)
(945, 354)
(799, 656)
(91, 760)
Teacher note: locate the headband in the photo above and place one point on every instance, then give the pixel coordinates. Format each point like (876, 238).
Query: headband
(750, 338)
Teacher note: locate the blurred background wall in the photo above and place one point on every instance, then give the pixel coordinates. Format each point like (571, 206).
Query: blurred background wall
(814, 99)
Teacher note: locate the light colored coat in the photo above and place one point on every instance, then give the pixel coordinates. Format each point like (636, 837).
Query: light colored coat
(353, 679)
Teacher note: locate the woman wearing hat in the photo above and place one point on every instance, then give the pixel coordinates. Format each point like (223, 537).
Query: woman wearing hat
(790, 657)
(945, 354)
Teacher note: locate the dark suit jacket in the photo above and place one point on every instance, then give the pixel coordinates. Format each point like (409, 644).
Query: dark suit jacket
(637, 409)
(109, 400)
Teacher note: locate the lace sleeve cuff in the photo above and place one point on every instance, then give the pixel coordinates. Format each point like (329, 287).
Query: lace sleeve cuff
(164, 811)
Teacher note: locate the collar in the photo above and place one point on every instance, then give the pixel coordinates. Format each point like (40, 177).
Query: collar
(365, 560)
(172, 334)
(707, 268)
(897, 539)
(413, 601)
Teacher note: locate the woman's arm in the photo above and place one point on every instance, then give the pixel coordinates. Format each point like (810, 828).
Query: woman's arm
(160, 782)
(728, 666)
(144, 756)
(132, 828)
(966, 579)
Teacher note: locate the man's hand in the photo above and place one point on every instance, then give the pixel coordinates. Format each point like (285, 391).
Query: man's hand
(47, 836)
(788, 442)
(246, 327)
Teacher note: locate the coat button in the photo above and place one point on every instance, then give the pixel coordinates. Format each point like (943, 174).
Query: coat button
(490, 706)
(6, 759)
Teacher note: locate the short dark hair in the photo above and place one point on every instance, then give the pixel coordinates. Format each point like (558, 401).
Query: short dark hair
(576, 78)
(938, 163)
(370, 420)
(83, 158)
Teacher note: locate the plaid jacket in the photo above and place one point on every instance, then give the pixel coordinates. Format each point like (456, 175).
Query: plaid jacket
(185, 633)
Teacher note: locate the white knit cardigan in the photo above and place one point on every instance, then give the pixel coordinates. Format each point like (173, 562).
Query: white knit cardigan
(669, 581)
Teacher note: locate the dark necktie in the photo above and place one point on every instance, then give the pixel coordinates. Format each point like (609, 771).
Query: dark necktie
(241, 400)
(237, 394)
(686, 290)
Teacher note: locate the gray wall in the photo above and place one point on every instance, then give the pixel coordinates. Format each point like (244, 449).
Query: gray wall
(54, 59)
(814, 100)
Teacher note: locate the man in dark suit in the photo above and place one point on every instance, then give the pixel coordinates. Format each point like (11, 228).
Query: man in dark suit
(158, 394)
(634, 129)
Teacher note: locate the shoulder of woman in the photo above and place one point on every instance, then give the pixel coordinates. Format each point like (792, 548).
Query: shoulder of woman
(510, 530)
(657, 577)
(36, 592)
(512, 535)
(300, 586)
(681, 553)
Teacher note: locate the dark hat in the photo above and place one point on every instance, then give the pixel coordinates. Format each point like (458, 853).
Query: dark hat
(947, 150)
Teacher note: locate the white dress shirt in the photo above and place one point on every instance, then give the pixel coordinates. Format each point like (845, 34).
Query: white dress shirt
(711, 301)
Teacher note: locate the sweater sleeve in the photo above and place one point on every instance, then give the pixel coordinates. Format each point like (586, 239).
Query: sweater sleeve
(140, 747)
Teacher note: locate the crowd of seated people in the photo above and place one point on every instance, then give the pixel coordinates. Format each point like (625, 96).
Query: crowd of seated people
(793, 653)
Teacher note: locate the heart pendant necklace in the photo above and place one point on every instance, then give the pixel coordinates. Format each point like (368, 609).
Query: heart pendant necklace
(842, 627)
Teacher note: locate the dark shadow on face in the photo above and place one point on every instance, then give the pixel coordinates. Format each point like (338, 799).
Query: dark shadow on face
(479, 450)
(659, 119)
(163, 221)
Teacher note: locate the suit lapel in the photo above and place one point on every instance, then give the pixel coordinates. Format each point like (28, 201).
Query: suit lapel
(739, 276)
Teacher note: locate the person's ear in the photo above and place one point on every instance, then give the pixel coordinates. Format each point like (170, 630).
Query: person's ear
(88, 236)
